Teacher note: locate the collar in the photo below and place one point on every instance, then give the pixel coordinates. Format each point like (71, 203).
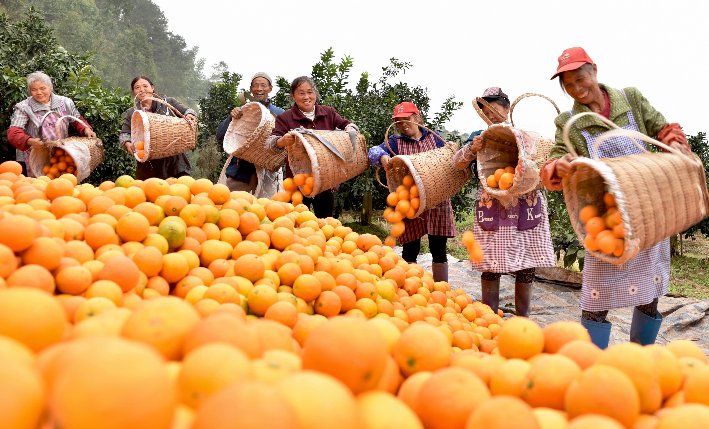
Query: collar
(619, 107)
(299, 116)
(424, 133)
(54, 103)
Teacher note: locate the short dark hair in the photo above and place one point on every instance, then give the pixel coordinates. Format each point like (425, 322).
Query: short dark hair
(299, 81)
(137, 78)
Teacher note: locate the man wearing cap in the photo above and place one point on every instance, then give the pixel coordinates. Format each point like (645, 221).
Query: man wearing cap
(242, 175)
(438, 222)
(643, 279)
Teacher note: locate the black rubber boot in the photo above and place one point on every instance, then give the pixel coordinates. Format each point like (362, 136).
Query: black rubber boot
(523, 296)
(440, 271)
(491, 293)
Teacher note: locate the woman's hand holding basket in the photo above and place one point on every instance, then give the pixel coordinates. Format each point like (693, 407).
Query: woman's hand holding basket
(287, 140)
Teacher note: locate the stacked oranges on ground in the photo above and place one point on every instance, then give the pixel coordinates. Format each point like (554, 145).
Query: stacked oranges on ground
(475, 251)
(169, 304)
(59, 163)
(604, 231)
(403, 203)
(502, 178)
(291, 193)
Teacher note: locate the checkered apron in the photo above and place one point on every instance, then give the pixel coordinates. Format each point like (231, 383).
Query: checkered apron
(438, 220)
(638, 281)
(508, 249)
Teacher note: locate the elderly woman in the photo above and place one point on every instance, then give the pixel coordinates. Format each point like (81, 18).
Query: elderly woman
(34, 118)
(437, 222)
(306, 113)
(173, 166)
(642, 280)
(514, 239)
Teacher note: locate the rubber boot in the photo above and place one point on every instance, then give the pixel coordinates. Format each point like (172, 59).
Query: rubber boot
(491, 293)
(600, 332)
(644, 328)
(440, 271)
(523, 296)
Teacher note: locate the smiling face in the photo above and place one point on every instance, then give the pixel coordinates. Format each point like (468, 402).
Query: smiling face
(40, 91)
(406, 128)
(581, 84)
(142, 88)
(305, 97)
(260, 88)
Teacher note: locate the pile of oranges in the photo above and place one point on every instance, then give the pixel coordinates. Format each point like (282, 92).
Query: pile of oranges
(59, 163)
(604, 230)
(502, 178)
(475, 251)
(295, 188)
(140, 149)
(175, 304)
(402, 203)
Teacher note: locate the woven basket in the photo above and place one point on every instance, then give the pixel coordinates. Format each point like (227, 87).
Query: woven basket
(246, 137)
(309, 155)
(505, 146)
(434, 174)
(657, 194)
(543, 145)
(162, 135)
(87, 152)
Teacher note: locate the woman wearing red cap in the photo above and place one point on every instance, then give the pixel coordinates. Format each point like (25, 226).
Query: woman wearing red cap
(510, 242)
(437, 222)
(642, 280)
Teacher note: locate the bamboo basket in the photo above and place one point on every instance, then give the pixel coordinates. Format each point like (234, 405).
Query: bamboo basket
(162, 135)
(310, 155)
(87, 152)
(433, 172)
(543, 145)
(246, 137)
(657, 194)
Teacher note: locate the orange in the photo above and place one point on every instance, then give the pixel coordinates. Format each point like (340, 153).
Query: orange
(328, 304)
(668, 369)
(248, 222)
(260, 299)
(32, 276)
(227, 328)
(23, 393)
(106, 289)
(348, 349)
(491, 181)
(550, 419)
(595, 225)
(59, 187)
(696, 386)
(13, 167)
(17, 232)
(249, 404)
(197, 380)
(136, 374)
(605, 390)
(31, 317)
(132, 227)
(461, 391)
(382, 409)
(510, 378)
(520, 338)
(546, 381)
(606, 242)
(502, 412)
(609, 200)
(557, 334)
(73, 280)
(8, 261)
(44, 251)
(122, 270)
(162, 323)
(282, 312)
(250, 267)
(689, 416)
(583, 352)
(422, 347)
(174, 268)
(587, 212)
(148, 260)
(506, 181)
(681, 348)
(320, 401)
(219, 193)
(305, 286)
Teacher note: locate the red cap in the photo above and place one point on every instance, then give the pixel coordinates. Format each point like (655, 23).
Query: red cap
(571, 59)
(405, 109)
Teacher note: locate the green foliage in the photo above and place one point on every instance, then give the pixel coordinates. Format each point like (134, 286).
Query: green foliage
(562, 234)
(29, 45)
(700, 147)
(127, 38)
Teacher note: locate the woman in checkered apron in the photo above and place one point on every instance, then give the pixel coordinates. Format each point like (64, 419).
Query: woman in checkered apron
(437, 222)
(642, 280)
(514, 239)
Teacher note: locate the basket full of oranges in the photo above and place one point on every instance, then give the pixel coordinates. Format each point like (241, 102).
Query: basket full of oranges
(75, 155)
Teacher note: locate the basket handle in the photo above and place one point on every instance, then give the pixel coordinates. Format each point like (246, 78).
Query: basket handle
(169, 106)
(567, 128)
(531, 94)
(41, 121)
(635, 136)
(386, 134)
(482, 114)
(73, 118)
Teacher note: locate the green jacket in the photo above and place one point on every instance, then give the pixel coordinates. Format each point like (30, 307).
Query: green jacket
(649, 120)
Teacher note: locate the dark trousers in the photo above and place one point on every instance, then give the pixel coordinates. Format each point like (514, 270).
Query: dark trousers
(323, 204)
(436, 243)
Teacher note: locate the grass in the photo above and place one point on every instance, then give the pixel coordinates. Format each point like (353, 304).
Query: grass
(689, 272)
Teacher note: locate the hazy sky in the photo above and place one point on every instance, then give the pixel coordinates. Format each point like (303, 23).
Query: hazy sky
(461, 47)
